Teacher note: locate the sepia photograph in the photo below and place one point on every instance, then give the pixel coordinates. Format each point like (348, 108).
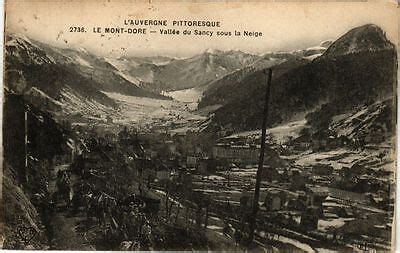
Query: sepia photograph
(199, 126)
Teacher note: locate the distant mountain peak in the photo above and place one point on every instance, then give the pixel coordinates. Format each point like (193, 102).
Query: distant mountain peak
(368, 37)
(82, 50)
(22, 48)
(326, 43)
(213, 51)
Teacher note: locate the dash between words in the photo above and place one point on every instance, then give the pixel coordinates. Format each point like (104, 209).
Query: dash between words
(169, 31)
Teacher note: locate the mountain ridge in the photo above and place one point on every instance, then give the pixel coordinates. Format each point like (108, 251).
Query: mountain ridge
(353, 78)
(52, 75)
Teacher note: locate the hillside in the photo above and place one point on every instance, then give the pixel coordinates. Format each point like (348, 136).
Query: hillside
(368, 123)
(231, 86)
(63, 79)
(169, 74)
(107, 77)
(338, 77)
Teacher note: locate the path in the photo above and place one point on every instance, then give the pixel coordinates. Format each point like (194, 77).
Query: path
(64, 235)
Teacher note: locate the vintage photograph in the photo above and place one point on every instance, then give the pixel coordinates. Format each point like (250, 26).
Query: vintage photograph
(209, 126)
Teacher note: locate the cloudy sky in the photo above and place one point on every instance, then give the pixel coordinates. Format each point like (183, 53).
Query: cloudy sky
(285, 25)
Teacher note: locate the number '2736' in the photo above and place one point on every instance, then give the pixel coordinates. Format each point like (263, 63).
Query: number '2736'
(77, 29)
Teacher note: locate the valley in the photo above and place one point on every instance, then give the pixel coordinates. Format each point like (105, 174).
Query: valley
(157, 153)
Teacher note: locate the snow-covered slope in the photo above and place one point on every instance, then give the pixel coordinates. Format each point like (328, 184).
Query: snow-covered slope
(361, 123)
(163, 73)
(63, 80)
(337, 79)
(43, 78)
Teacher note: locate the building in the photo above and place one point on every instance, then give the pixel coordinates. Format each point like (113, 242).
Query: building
(309, 218)
(171, 147)
(163, 174)
(274, 200)
(245, 154)
(301, 143)
(191, 161)
(316, 196)
(322, 169)
(236, 153)
(206, 165)
(297, 180)
(377, 134)
(351, 174)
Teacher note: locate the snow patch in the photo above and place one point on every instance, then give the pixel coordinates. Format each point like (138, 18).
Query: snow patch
(83, 62)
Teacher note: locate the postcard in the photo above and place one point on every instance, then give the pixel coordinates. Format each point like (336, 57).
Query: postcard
(199, 126)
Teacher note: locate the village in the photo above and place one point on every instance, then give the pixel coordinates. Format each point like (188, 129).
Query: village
(313, 204)
(125, 188)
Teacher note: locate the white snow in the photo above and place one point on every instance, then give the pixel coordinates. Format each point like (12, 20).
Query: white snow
(214, 227)
(129, 78)
(312, 57)
(316, 48)
(280, 133)
(75, 103)
(117, 63)
(297, 244)
(192, 95)
(206, 190)
(35, 93)
(325, 225)
(83, 62)
(215, 177)
(149, 112)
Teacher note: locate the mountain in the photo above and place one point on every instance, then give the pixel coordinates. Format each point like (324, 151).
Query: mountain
(204, 71)
(169, 74)
(237, 84)
(109, 78)
(231, 86)
(364, 38)
(140, 70)
(340, 78)
(372, 123)
(63, 80)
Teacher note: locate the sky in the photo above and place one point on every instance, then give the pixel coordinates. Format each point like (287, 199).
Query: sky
(285, 26)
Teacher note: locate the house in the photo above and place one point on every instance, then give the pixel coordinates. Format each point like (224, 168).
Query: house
(356, 170)
(171, 146)
(348, 197)
(315, 196)
(297, 180)
(246, 154)
(376, 135)
(150, 154)
(270, 174)
(163, 174)
(297, 202)
(235, 153)
(71, 150)
(274, 200)
(309, 218)
(322, 169)
(206, 165)
(109, 119)
(301, 143)
(179, 137)
(319, 144)
(246, 201)
(198, 150)
(191, 161)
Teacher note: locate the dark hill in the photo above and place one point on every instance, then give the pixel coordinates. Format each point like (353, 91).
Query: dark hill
(363, 75)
